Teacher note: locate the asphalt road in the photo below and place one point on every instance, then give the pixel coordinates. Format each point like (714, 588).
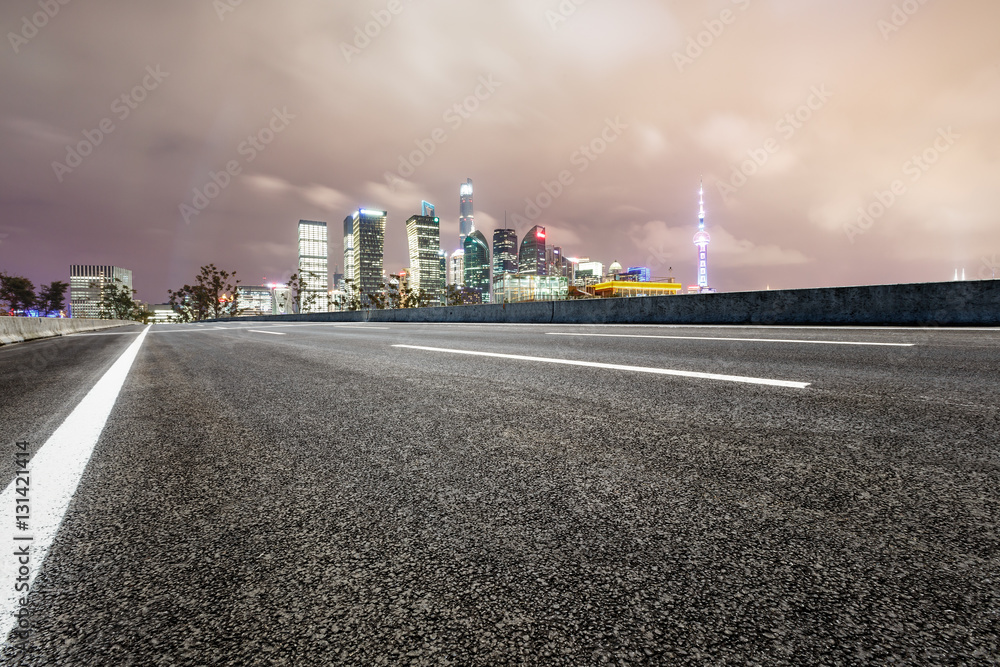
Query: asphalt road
(317, 494)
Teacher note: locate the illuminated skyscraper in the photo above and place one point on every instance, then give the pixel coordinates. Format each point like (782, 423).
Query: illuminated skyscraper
(349, 248)
(504, 252)
(86, 282)
(423, 235)
(701, 240)
(314, 266)
(427, 209)
(531, 258)
(456, 268)
(477, 264)
(369, 248)
(466, 221)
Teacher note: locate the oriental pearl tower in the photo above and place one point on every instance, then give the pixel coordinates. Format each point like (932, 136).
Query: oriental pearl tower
(701, 240)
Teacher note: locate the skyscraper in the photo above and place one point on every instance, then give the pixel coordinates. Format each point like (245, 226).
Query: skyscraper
(314, 266)
(531, 259)
(423, 235)
(701, 240)
(349, 248)
(369, 246)
(466, 219)
(86, 283)
(427, 209)
(456, 268)
(477, 264)
(504, 252)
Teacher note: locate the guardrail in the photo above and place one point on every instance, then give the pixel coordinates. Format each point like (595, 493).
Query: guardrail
(962, 303)
(20, 329)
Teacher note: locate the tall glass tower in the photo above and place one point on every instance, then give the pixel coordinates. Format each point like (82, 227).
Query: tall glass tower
(531, 259)
(314, 263)
(477, 264)
(701, 240)
(423, 234)
(349, 248)
(466, 219)
(369, 247)
(456, 268)
(504, 252)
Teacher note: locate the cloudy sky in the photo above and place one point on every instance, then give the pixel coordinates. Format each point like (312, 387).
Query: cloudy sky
(840, 141)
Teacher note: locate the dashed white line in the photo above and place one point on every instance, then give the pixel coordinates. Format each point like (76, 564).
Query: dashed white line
(55, 472)
(742, 340)
(619, 367)
(272, 333)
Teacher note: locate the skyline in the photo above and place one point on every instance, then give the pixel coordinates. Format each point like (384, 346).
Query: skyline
(611, 112)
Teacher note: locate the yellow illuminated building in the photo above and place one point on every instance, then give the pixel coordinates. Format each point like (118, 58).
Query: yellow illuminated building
(624, 288)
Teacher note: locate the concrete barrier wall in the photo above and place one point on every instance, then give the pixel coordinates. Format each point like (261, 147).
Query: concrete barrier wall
(964, 303)
(20, 329)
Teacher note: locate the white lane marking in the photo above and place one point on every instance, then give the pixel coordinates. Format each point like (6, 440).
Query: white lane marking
(750, 340)
(54, 473)
(274, 326)
(270, 333)
(618, 367)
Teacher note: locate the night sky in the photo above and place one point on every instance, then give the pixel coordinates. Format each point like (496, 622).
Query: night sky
(829, 106)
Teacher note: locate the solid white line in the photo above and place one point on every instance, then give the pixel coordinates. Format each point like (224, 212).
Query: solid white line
(55, 472)
(618, 367)
(750, 340)
(271, 333)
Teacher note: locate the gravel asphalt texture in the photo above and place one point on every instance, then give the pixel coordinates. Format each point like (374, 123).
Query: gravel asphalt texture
(323, 497)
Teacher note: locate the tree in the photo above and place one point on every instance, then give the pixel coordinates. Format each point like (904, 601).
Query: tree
(462, 296)
(52, 298)
(214, 295)
(117, 301)
(18, 293)
(299, 286)
(353, 295)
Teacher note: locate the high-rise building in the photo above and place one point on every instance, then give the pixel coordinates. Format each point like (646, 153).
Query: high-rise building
(477, 264)
(456, 268)
(427, 209)
(443, 258)
(531, 258)
(466, 218)
(701, 240)
(314, 263)
(369, 247)
(86, 284)
(423, 235)
(504, 252)
(349, 248)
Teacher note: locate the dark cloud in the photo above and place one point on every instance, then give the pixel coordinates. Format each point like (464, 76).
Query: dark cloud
(549, 81)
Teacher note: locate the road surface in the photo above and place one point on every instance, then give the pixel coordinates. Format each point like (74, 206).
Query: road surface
(433, 494)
